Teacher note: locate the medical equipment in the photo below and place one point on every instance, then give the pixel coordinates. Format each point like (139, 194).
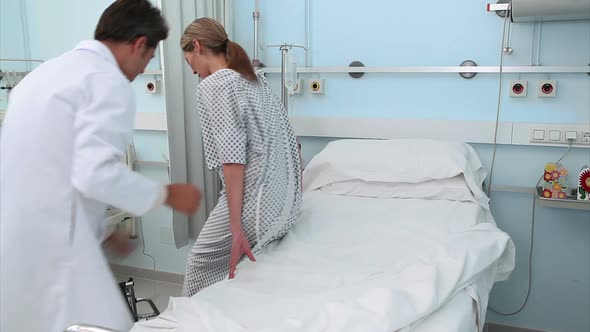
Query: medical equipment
(549, 10)
(347, 270)
(291, 74)
(285, 48)
(335, 267)
(543, 10)
(256, 17)
(127, 288)
(128, 292)
(498, 104)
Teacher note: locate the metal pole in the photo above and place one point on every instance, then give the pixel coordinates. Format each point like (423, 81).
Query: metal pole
(256, 17)
(307, 32)
(284, 95)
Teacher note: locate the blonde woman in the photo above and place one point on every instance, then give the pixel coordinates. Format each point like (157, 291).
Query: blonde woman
(247, 137)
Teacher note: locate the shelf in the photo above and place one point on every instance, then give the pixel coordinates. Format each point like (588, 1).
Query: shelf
(568, 203)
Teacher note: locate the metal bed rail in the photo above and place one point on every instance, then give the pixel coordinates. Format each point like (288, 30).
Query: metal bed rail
(87, 328)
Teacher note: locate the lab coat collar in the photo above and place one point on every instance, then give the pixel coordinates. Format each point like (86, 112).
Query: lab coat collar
(98, 48)
(101, 49)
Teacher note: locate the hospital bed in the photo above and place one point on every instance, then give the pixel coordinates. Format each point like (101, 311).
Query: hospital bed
(393, 236)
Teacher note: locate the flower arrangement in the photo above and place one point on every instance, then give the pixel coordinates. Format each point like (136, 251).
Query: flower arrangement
(555, 181)
(584, 184)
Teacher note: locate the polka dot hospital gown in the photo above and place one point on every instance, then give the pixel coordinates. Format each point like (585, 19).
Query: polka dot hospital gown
(244, 123)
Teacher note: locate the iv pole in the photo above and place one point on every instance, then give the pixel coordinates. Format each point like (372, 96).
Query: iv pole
(285, 48)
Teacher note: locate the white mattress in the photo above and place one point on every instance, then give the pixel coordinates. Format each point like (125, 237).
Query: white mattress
(359, 264)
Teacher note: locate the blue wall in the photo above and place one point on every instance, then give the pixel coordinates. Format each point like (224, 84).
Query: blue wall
(57, 26)
(418, 33)
(11, 42)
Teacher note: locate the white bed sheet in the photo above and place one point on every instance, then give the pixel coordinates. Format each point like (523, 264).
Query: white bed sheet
(458, 315)
(357, 264)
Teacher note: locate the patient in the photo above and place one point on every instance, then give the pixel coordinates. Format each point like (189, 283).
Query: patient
(248, 139)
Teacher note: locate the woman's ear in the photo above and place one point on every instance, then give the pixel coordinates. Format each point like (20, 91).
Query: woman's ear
(197, 45)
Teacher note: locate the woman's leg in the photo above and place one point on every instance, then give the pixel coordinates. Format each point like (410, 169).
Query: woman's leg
(208, 261)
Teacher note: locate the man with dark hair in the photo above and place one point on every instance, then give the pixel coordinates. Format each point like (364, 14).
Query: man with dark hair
(68, 125)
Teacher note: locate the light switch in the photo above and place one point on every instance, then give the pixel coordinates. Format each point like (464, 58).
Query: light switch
(539, 135)
(554, 135)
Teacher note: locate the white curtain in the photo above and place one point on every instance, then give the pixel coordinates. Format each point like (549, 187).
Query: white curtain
(184, 132)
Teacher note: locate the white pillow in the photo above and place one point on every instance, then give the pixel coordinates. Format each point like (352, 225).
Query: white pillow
(453, 189)
(395, 161)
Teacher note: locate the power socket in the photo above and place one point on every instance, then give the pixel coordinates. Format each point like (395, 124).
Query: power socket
(316, 86)
(151, 86)
(559, 135)
(547, 88)
(518, 88)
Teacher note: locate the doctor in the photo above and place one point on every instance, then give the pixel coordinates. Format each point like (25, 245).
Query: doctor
(67, 128)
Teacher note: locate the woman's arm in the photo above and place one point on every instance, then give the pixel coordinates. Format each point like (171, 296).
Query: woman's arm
(233, 175)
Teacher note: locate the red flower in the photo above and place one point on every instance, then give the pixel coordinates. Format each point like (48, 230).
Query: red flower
(547, 193)
(585, 180)
(555, 175)
(547, 176)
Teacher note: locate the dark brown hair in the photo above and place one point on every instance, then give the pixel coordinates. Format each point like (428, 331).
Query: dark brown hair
(127, 20)
(212, 35)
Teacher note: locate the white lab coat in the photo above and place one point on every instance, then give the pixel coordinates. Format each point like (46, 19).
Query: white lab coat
(67, 127)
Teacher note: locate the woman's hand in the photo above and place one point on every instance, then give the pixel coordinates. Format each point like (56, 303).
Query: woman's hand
(240, 247)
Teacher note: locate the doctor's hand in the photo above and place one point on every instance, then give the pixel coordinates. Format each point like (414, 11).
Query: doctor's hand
(119, 244)
(240, 247)
(184, 198)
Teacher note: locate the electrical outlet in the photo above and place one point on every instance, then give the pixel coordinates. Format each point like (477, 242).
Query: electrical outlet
(571, 135)
(547, 88)
(559, 135)
(316, 86)
(151, 86)
(518, 88)
(555, 135)
(538, 135)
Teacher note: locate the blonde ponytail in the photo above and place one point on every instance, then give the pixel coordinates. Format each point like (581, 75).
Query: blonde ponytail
(212, 35)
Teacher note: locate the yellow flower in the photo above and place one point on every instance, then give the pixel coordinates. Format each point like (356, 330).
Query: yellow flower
(557, 186)
(550, 167)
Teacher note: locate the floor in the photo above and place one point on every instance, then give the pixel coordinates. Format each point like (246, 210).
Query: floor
(159, 292)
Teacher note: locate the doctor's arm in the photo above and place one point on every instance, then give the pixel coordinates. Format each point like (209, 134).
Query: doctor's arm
(103, 129)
